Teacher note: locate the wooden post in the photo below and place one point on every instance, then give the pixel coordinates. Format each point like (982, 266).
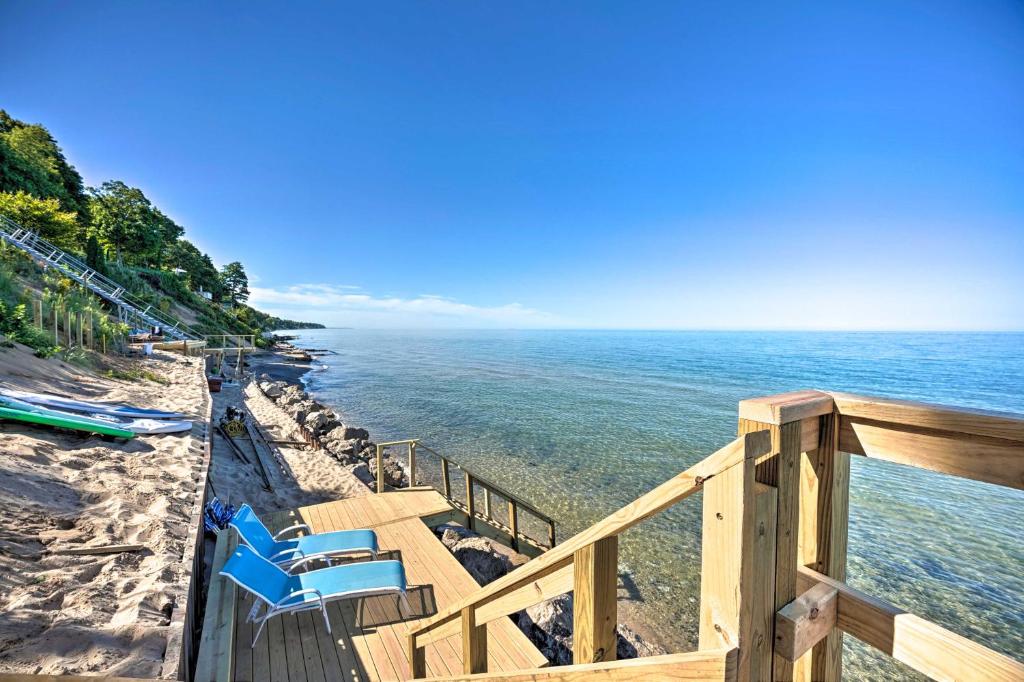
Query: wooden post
(513, 523)
(594, 613)
(184, 347)
(474, 643)
(446, 481)
(551, 534)
(737, 565)
(67, 328)
(56, 336)
(824, 514)
(487, 502)
(417, 658)
(380, 468)
(792, 420)
(469, 498)
(37, 312)
(412, 464)
(81, 331)
(91, 338)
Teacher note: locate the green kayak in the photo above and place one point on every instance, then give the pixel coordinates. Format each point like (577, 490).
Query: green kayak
(84, 424)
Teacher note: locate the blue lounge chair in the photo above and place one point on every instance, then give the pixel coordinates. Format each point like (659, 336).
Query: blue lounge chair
(282, 592)
(290, 554)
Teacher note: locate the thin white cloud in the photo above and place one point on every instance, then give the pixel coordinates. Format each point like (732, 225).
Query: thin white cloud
(334, 304)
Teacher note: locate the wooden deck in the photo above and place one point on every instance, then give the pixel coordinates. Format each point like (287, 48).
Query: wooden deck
(369, 636)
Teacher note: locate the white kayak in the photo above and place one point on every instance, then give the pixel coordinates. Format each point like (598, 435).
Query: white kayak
(140, 426)
(92, 408)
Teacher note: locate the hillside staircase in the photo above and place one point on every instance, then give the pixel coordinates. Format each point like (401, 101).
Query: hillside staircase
(130, 309)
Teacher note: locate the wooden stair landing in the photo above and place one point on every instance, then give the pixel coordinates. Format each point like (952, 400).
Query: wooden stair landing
(369, 636)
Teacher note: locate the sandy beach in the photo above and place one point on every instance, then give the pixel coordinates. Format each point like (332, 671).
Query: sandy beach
(62, 490)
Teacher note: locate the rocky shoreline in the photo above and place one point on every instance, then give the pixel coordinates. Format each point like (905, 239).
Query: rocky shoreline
(548, 625)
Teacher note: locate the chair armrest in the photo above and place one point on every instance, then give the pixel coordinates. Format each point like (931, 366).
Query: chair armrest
(291, 596)
(284, 553)
(289, 529)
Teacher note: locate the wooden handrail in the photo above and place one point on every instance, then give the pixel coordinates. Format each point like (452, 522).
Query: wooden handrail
(924, 646)
(657, 500)
(694, 665)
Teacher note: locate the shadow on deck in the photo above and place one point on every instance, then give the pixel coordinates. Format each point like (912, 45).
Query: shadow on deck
(368, 639)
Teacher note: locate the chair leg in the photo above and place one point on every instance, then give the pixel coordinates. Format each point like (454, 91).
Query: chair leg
(327, 621)
(403, 604)
(259, 630)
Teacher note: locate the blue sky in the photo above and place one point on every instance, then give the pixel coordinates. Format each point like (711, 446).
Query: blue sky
(643, 165)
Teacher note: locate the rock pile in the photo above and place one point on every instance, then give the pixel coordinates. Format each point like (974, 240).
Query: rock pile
(350, 445)
(548, 624)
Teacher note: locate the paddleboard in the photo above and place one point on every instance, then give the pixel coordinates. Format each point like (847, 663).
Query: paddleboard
(77, 424)
(143, 426)
(112, 409)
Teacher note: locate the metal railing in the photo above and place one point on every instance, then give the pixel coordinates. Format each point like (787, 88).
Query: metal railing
(130, 308)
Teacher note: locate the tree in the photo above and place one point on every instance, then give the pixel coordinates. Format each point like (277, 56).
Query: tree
(31, 161)
(124, 220)
(94, 254)
(236, 283)
(43, 216)
(201, 272)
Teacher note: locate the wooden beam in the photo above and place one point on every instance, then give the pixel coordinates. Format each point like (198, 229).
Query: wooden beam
(693, 666)
(738, 568)
(667, 494)
(470, 493)
(981, 458)
(824, 520)
(783, 408)
(380, 468)
(101, 549)
(805, 621)
(417, 658)
(780, 468)
(513, 523)
(594, 613)
(1005, 425)
(924, 646)
(446, 481)
(474, 643)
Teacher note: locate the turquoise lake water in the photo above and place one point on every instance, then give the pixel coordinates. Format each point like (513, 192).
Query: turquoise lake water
(581, 422)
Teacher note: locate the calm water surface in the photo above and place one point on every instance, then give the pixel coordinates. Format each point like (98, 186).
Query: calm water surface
(580, 423)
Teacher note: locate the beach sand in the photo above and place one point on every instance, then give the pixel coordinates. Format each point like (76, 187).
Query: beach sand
(62, 490)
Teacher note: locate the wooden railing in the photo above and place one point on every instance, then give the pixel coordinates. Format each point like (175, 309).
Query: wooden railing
(478, 508)
(773, 562)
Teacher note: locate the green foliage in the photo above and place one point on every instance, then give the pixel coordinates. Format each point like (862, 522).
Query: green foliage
(236, 283)
(94, 254)
(43, 216)
(16, 326)
(31, 161)
(120, 233)
(126, 222)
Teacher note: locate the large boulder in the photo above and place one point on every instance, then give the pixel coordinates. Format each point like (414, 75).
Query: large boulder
(394, 475)
(316, 420)
(362, 471)
(478, 556)
(451, 534)
(272, 389)
(549, 627)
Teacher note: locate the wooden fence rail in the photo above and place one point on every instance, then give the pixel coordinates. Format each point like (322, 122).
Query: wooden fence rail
(775, 518)
(475, 512)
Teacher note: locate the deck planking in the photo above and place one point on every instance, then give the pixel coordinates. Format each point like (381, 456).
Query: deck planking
(369, 637)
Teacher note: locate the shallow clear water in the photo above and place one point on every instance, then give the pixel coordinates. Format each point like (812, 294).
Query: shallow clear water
(582, 422)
